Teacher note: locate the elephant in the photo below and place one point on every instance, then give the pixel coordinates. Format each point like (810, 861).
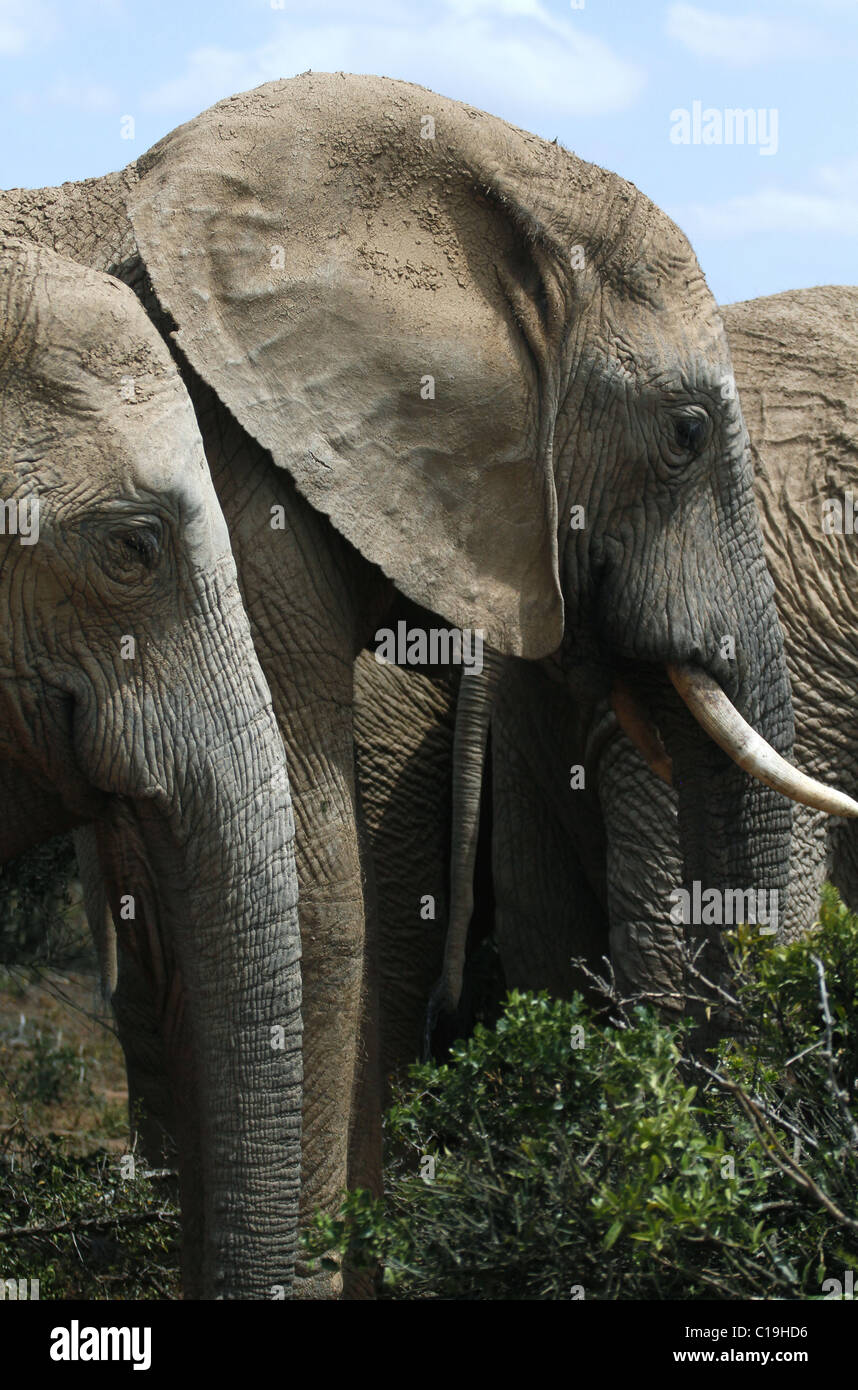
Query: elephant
(587, 870)
(795, 356)
(132, 703)
(418, 341)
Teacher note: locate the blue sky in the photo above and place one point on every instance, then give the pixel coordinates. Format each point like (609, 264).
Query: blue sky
(603, 76)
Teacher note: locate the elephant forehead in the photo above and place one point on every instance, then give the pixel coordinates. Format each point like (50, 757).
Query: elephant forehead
(154, 451)
(120, 427)
(648, 342)
(160, 445)
(62, 320)
(145, 453)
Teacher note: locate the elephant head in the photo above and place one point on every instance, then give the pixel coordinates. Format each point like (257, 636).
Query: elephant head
(500, 372)
(796, 363)
(131, 698)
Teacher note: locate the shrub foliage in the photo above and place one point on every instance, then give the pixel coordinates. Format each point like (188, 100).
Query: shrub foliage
(561, 1156)
(82, 1229)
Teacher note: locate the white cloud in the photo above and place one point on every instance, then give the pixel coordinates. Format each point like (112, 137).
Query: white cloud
(509, 56)
(24, 23)
(832, 210)
(743, 40)
(841, 178)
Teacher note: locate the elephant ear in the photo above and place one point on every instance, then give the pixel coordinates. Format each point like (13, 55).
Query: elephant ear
(344, 274)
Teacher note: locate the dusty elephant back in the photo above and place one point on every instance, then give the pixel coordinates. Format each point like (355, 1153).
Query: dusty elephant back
(795, 357)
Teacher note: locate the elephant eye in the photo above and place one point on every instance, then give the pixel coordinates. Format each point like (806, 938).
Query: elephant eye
(133, 548)
(690, 435)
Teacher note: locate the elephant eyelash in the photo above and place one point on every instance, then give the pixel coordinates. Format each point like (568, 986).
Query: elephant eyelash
(691, 432)
(144, 546)
(141, 545)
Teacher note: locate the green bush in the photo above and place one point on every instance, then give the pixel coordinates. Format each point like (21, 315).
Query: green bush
(559, 1157)
(82, 1229)
(51, 1071)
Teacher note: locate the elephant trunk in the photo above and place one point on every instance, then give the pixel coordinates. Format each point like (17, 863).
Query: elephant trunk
(734, 830)
(216, 939)
(238, 951)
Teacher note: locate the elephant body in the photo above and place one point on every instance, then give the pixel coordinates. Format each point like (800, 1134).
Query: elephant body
(419, 342)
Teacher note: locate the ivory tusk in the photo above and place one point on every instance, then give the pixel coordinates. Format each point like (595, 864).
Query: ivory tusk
(725, 725)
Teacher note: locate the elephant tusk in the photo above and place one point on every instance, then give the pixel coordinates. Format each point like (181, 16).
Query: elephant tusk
(635, 723)
(725, 725)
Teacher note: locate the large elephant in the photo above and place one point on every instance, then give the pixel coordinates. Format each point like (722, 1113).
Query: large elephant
(588, 870)
(419, 342)
(131, 700)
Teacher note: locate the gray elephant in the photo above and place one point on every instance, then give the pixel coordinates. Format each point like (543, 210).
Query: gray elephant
(795, 357)
(589, 870)
(131, 700)
(796, 362)
(420, 344)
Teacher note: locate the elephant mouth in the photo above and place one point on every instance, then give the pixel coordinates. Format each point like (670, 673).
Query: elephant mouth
(719, 719)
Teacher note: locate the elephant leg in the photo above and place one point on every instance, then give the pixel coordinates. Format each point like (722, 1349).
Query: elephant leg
(404, 724)
(333, 954)
(151, 1102)
(365, 1139)
(98, 915)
